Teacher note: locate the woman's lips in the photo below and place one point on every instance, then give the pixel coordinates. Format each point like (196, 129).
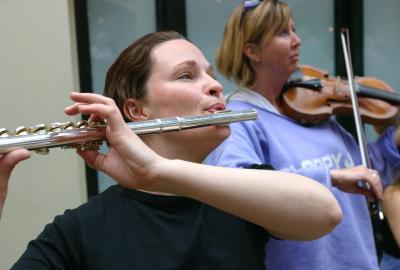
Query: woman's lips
(215, 108)
(295, 57)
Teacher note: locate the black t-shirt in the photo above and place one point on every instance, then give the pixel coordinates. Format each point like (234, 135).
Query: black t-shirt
(128, 229)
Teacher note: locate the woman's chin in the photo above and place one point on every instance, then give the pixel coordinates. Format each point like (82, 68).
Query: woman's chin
(222, 131)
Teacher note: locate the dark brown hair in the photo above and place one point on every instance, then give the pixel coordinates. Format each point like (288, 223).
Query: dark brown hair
(127, 76)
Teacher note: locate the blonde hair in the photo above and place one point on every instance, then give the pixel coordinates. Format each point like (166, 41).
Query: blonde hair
(256, 25)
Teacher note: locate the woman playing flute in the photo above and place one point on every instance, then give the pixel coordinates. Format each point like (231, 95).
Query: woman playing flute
(168, 210)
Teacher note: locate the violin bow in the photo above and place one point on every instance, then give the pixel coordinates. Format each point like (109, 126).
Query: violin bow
(376, 208)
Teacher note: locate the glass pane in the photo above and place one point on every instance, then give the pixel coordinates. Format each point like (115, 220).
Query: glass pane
(113, 25)
(382, 40)
(205, 25)
(381, 44)
(314, 21)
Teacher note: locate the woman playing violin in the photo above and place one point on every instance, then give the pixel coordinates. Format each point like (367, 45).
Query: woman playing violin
(259, 50)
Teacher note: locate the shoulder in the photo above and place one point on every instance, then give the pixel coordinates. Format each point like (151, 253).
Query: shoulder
(105, 203)
(71, 219)
(240, 105)
(262, 114)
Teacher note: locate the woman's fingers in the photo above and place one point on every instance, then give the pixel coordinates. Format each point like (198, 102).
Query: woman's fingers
(375, 183)
(7, 164)
(364, 191)
(89, 98)
(98, 106)
(9, 160)
(91, 158)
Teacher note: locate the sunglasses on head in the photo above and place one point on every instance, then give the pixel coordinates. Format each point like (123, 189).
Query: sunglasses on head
(250, 4)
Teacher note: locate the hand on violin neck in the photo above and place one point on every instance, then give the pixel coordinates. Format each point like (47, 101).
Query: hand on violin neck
(348, 180)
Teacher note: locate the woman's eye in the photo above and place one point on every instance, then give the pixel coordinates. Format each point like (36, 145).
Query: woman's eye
(213, 75)
(283, 33)
(185, 76)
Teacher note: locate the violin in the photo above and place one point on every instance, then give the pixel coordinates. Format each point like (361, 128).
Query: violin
(311, 96)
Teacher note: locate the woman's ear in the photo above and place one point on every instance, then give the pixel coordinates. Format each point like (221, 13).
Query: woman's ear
(251, 51)
(134, 110)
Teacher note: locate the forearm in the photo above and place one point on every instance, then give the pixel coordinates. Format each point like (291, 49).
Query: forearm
(391, 205)
(384, 155)
(287, 205)
(397, 137)
(395, 227)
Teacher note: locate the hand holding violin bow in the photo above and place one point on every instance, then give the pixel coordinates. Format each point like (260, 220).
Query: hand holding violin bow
(348, 179)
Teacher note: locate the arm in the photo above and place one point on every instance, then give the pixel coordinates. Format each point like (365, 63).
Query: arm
(397, 136)
(7, 164)
(58, 246)
(385, 156)
(287, 205)
(391, 206)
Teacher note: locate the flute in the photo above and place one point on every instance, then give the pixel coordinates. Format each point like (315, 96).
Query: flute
(89, 136)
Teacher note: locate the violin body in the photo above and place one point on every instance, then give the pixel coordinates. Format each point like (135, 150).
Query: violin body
(312, 96)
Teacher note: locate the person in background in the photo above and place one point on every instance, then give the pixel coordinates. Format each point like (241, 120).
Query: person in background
(259, 51)
(169, 211)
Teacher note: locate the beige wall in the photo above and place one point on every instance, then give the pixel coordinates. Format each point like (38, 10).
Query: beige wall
(38, 68)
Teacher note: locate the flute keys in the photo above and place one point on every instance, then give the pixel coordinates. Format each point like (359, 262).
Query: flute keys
(4, 132)
(82, 124)
(68, 126)
(39, 129)
(91, 145)
(54, 127)
(42, 151)
(21, 131)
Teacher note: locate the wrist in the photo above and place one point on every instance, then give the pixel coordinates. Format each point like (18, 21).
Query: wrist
(162, 175)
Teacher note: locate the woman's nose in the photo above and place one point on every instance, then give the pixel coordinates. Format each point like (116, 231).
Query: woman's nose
(214, 88)
(296, 40)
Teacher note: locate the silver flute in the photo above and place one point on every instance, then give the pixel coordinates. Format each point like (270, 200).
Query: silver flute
(89, 136)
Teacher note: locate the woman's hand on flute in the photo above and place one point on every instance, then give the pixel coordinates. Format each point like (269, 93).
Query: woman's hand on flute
(128, 160)
(7, 164)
